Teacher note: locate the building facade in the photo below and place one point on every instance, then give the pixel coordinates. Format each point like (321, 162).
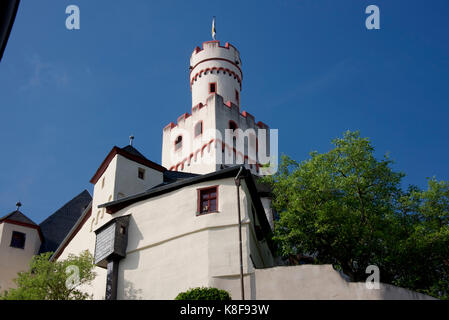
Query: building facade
(157, 230)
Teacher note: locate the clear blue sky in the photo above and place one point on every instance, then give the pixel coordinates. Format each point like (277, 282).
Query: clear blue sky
(311, 69)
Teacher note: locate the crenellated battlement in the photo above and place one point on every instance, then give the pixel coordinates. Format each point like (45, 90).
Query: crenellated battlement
(215, 69)
(214, 48)
(228, 105)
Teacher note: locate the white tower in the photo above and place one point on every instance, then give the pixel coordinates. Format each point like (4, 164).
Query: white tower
(215, 69)
(198, 143)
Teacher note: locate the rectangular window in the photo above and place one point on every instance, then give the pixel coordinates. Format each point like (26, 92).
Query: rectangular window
(237, 98)
(141, 173)
(212, 87)
(198, 128)
(208, 200)
(18, 240)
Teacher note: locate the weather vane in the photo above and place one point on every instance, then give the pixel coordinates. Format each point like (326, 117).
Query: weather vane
(213, 28)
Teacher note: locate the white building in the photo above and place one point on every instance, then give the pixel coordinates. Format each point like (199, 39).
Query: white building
(157, 230)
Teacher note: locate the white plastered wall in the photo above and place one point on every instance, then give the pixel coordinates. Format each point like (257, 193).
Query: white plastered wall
(14, 260)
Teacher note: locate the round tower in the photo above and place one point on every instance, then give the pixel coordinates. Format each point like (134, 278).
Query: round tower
(215, 69)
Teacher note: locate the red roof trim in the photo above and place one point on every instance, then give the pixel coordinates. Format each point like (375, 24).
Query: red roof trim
(116, 150)
(217, 58)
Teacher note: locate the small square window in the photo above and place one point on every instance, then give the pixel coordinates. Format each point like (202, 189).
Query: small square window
(18, 240)
(141, 173)
(208, 200)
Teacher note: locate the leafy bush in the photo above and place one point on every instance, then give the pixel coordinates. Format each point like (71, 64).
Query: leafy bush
(204, 293)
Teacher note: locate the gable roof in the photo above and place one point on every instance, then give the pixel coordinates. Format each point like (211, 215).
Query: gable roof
(128, 152)
(17, 216)
(56, 227)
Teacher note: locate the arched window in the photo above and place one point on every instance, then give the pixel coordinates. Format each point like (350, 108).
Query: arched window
(178, 143)
(198, 128)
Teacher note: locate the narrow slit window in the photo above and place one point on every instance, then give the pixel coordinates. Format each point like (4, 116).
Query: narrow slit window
(178, 143)
(198, 128)
(212, 87)
(141, 173)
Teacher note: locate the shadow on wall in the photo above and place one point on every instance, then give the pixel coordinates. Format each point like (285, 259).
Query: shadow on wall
(130, 292)
(131, 262)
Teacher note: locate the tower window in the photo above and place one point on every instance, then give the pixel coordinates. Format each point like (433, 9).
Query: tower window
(212, 87)
(207, 200)
(18, 240)
(237, 97)
(141, 173)
(198, 128)
(178, 143)
(232, 125)
(102, 182)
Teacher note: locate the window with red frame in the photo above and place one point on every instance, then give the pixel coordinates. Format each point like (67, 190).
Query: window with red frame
(207, 200)
(212, 87)
(198, 128)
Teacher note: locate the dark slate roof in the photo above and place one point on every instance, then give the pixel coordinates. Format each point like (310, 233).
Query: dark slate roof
(19, 217)
(56, 227)
(130, 149)
(173, 176)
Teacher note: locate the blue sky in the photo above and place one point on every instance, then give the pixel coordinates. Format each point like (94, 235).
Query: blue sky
(311, 69)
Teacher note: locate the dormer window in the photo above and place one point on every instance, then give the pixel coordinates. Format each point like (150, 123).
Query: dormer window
(178, 143)
(198, 128)
(141, 174)
(212, 87)
(18, 240)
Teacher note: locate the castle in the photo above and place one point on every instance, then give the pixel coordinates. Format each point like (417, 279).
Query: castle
(200, 218)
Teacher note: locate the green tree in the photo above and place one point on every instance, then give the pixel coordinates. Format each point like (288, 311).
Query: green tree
(54, 280)
(204, 294)
(347, 208)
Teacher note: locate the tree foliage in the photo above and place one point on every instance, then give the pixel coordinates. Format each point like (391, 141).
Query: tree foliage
(204, 294)
(58, 280)
(347, 208)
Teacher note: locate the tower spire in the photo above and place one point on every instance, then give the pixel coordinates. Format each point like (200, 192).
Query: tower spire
(18, 205)
(131, 138)
(213, 28)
